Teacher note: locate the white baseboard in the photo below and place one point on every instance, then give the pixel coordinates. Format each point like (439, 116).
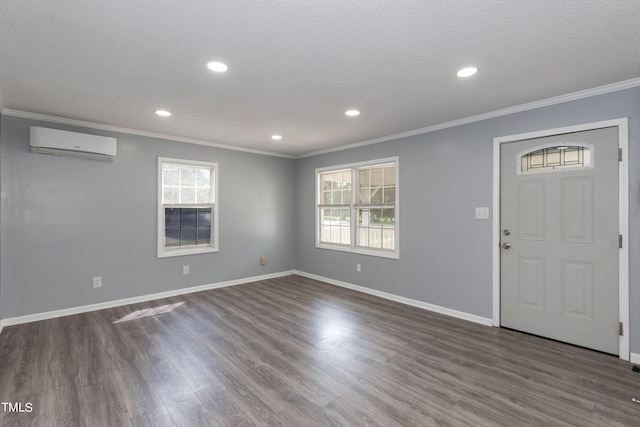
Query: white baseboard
(634, 357)
(143, 298)
(408, 301)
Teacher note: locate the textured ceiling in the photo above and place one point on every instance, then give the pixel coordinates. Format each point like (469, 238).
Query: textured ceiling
(296, 66)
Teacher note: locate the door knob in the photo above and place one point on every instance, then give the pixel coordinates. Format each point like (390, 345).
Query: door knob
(506, 245)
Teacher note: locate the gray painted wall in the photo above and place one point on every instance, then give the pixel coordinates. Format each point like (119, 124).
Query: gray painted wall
(445, 253)
(66, 220)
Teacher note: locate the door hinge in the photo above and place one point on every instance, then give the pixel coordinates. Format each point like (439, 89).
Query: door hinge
(620, 241)
(620, 328)
(619, 154)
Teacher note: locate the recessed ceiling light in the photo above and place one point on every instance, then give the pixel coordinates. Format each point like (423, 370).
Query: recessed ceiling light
(467, 72)
(163, 113)
(352, 113)
(276, 137)
(216, 66)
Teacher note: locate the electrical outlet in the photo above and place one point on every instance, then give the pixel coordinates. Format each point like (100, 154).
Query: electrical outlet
(358, 268)
(185, 270)
(263, 260)
(97, 282)
(482, 213)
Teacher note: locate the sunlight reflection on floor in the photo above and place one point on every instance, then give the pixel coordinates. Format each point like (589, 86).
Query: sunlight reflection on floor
(334, 324)
(149, 312)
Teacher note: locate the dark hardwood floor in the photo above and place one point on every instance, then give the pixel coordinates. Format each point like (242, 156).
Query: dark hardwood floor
(297, 352)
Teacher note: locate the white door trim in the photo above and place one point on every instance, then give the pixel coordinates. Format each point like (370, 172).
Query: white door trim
(623, 220)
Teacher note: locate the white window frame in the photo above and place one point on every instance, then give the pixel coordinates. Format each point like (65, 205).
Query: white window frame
(352, 247)
(164, 252)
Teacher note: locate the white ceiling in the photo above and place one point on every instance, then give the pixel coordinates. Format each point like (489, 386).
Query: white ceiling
(295, 66)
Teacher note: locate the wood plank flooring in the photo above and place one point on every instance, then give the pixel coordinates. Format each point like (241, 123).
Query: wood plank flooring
(297, 352)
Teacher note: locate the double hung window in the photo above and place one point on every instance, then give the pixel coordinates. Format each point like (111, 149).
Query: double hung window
(187, 208)
(357, 208)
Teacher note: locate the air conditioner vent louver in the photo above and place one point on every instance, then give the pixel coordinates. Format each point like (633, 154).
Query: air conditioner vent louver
(72, 144)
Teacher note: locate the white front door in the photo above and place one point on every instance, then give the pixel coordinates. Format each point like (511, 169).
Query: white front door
(559, 237)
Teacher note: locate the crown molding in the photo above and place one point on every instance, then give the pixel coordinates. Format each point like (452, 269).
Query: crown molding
(110, 128)
(600, 90)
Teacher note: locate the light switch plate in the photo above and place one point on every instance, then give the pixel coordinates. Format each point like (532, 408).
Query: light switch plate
(482, 213)
(97, 282)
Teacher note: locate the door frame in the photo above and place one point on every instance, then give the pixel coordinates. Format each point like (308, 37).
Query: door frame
(623, 215)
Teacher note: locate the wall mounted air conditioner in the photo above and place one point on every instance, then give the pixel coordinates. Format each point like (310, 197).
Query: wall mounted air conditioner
(72, 144)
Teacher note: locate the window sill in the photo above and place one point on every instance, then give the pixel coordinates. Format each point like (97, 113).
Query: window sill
(360, 251)
(189, 251)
